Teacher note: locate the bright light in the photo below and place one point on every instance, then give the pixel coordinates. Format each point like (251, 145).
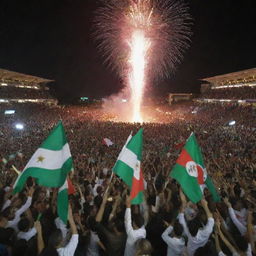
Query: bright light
(19, 126)
(231, 123)
(3, 100)
(124, 100)
(9, 112)
(4, 84)
(139, 46)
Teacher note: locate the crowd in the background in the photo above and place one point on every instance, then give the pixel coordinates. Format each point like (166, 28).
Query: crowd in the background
(101, 218)
(23, 93)
(239, 93)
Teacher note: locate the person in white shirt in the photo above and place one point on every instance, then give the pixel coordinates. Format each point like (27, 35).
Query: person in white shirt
(243, 246)
(135, 230)
(69, 249)
(239, 223)
(13, 214)
(26, 232)
(172, 236)
(55, 243)
(197, 237)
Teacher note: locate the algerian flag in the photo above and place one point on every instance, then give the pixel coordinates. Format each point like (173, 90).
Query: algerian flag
(128, 166)
(190, 172)
(50, 163)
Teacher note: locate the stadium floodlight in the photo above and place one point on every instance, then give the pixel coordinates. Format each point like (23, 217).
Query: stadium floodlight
(231, 123)
(19, 126)
(9, 112)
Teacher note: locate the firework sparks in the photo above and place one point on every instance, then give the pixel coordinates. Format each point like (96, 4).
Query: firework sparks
(139, 47)
(142, 40)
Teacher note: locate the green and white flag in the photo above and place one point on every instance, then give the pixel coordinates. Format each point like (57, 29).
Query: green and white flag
(62, 202)
(128, 166)
(51, 162)
(190, 172)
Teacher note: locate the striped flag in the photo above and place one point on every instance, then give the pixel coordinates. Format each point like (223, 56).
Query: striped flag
(50, 164)
(128, 166)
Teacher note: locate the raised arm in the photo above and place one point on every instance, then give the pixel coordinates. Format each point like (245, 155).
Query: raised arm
(71, 221)
(242, 229)
(102, 207)
(113, 212)
(40, 241)
(250, 231)
(224, 239)
(206, 209)
(128, 216)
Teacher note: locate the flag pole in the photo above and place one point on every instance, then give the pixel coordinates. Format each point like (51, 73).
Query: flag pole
(16, 170)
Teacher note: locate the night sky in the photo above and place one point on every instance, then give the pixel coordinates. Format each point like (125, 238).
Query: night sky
(53, 39)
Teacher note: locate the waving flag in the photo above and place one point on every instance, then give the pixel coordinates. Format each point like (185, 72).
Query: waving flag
(128, 166)
(190, 172)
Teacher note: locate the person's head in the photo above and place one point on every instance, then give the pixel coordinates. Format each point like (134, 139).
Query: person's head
(55, 239)
(19, 201)
(137, 221)
(143, 247)
(24, 224)
(9, 213)
(237, 190)
(177, 228)
(118, 225)
(49, 251)
(193, 226)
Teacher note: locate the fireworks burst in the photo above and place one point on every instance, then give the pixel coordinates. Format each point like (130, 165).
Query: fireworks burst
(142, 40)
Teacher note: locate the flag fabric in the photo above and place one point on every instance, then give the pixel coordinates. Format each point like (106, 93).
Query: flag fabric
(190, 172)
(128, 166)
(51, 162)
(62, 199)
(107, 142)
(71, 188)
(178, 146)
(62, 202)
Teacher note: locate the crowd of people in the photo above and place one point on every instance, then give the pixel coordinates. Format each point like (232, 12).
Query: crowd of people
(10, 92)
(239, 93)
(101, 219)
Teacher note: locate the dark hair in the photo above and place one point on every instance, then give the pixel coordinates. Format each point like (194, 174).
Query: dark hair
(206, 250)
(7, 236)
(98, 200)
(138, 220)
(55, 238)
(177, 228)
(20, 248)
(91, 223)
(23, 224)
(193, 226)
(49, 251)
(119, 224)
(237, 190)
(241, 243)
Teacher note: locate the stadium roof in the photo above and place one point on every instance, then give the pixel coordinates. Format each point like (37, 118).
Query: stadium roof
(245, 75)
(19, 77)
